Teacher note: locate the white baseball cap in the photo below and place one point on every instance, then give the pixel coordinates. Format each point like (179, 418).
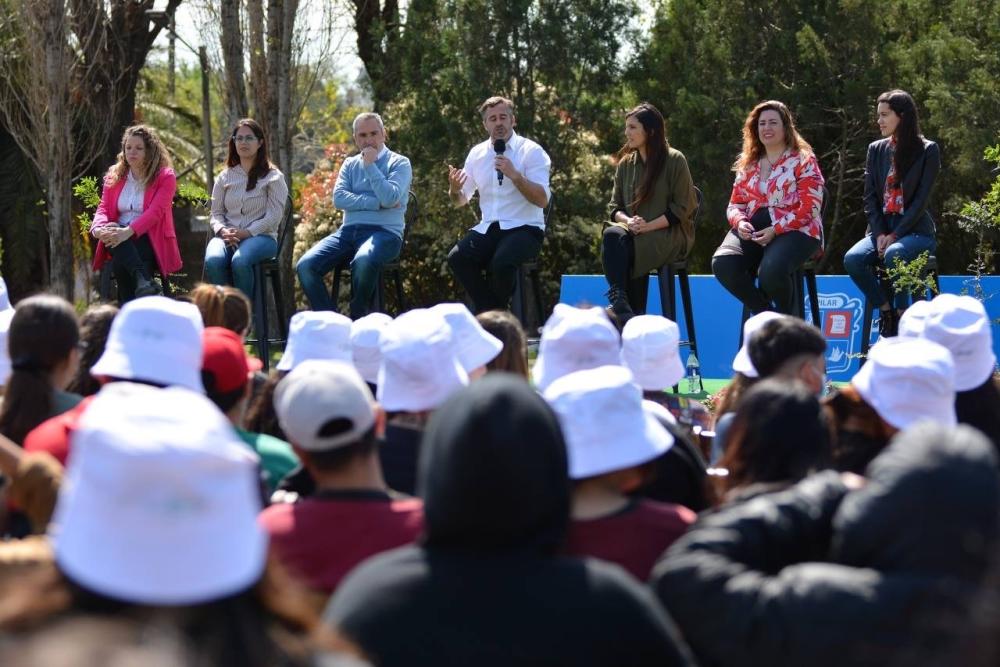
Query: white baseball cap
(961, 324)
(741, 362)
(4, 297)
(575, 339)
(160, 501)
(318, 392)
(155, 339)
(474, 346)
(913, 319)
(365, 332)
(319, 334)
(650, 349)
(907, 380)
(5, 317)
(604, 421)
(420, 368)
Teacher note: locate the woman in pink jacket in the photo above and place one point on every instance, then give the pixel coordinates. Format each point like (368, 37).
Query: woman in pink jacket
(134, 223)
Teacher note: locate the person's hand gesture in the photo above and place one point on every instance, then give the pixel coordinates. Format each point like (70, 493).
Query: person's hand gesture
(456, 180)
(764, 236)
(745, 230)
(115, 236)
(636, 223)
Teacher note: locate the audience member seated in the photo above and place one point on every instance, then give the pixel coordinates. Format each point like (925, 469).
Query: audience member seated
(171, 357)
(95, 325)
(906, 380)
(248, 202)
(226, 372)
(43, 344)
(650, 349)
(574, 339)
(774, 212)
(365, 352)
(474, 346)
(223, 306)
(612, 442)
(156, 530)
(506, 328)
(960, 323)
(651, 210)
(779, 436)
(420, 370)
(493, 475)
(334, 424)
(840, 570)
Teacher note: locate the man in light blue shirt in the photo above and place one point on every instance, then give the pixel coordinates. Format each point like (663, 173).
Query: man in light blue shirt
(372, 189)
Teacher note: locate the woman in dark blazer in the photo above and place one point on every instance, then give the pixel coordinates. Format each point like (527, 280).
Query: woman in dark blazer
(899, 177)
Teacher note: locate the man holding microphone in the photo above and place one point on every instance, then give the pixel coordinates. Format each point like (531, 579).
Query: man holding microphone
(511, 174)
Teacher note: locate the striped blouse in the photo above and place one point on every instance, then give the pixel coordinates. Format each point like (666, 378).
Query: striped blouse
(258, 211)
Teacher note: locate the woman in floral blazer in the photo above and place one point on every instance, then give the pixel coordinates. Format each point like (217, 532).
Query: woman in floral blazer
(774, 212)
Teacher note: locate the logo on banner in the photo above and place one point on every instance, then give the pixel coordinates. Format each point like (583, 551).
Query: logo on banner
(840, 320)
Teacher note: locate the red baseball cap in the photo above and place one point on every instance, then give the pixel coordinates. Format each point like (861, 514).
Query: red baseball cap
(225, 360)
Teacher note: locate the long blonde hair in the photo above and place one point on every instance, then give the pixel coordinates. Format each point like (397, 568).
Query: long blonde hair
(753, 149)
(157, 157)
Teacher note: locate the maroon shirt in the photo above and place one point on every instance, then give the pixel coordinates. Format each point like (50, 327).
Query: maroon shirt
(633, 538)
(323, 537)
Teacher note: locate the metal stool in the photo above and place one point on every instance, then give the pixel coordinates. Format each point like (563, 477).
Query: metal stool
(270, 270)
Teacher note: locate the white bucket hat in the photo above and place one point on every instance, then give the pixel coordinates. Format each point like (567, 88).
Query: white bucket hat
(420, 369)
(604, 421)
(160, 501)
(650, 349)
(913, 319)
(317, 392)
(575, 339)
(365, 332)
(907, 380)
(741, 362)
(155, 339)
(320, 334)
(961, 324)
(5, 317)
(474, 346)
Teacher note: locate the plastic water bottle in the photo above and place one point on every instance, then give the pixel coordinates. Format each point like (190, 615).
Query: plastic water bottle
(693, 374)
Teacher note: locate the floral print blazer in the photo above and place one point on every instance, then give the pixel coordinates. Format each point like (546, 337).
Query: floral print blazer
(794, 195)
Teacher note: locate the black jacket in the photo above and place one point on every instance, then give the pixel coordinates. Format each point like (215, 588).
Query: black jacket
(918, 182)
(819, 575)
(485, 587)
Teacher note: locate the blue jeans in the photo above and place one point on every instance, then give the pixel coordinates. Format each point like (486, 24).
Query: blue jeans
(226, 265)
(861, 260)
(366, 247)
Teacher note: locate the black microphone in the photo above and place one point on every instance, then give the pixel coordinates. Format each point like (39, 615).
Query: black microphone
(499, 146)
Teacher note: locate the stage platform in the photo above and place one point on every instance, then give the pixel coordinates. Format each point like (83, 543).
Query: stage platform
(717, 317)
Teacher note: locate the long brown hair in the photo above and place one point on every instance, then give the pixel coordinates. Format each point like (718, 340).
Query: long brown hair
(262, 164)
(513, 358)
(753, 149)
(43, 334)
(656, 149)
(157, 157)
(222, 306)
(909, 141)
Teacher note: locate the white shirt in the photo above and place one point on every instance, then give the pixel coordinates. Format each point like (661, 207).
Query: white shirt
(130, 200)
(505, 203)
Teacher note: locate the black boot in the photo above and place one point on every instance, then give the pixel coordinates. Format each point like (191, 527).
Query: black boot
(144, 286)
(888, 323)
(620, 310)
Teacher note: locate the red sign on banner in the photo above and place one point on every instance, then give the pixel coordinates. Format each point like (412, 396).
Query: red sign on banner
(838, 324)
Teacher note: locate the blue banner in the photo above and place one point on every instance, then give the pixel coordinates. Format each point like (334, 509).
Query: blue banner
(717, 316)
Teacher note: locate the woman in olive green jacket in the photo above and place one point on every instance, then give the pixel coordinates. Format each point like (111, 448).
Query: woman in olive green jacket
(651, 212)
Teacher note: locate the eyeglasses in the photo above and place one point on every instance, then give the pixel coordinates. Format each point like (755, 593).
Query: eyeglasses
(244, 138)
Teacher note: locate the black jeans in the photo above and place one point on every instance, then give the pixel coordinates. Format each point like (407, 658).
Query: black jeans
(133, 256)
(774, 265)
(618, 258)
(486, 264)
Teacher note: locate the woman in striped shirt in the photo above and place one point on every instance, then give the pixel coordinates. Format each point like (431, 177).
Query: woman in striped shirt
(248, 201)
